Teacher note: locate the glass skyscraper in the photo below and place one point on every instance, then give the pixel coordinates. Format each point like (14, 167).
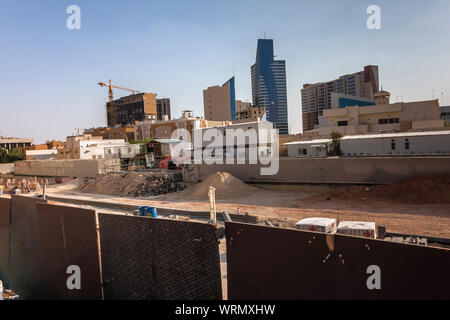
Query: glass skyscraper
(269, 85)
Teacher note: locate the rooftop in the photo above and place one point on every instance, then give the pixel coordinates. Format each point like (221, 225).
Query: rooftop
(398, 135)
(318, 141)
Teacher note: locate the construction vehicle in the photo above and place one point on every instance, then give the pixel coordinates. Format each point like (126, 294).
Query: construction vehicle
(111, 86)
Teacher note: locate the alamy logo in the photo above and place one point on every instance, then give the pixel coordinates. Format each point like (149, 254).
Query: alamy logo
(374, 20)
(74, 280)
(229, 146)
(374, 281)
(74, 20)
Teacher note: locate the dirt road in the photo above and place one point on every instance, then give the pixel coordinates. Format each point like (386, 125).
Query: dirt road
(288, 204)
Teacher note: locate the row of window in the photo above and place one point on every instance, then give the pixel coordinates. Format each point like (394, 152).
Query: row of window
(389, 121)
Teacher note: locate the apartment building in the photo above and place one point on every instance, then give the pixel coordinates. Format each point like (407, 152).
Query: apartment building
(318, 97)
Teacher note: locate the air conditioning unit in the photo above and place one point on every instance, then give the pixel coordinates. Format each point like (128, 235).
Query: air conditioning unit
(358, 229)
(324, 225)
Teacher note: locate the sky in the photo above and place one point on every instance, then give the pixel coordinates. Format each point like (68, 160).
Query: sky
(49, 74)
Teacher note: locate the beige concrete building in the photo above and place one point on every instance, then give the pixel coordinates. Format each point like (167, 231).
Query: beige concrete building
(219, 102)
(245, 111)
(163, 129)
(126, 132)
(12, 143)
(404, 116)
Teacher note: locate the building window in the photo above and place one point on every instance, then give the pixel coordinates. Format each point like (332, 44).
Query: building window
(302, 152)
(393, 144)
(407, 147)
(342, 123)
(389, 121)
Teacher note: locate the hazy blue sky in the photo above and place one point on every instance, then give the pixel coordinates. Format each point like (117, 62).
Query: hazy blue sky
(49, 74)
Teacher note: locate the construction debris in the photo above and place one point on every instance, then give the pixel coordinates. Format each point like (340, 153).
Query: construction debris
(133, 184)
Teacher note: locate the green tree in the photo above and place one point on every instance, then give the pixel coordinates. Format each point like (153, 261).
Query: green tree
(3, 155)
(335, 144)
(11, 155)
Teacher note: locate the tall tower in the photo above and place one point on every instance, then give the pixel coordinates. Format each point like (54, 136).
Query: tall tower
(269, 85)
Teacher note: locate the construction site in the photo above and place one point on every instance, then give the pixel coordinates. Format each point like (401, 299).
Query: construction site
(144, 223)
(411, 216)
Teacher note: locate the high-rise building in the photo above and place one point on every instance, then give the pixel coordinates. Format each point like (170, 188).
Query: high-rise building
(163, 109)
(127, 110)
(269, 85)
(220, 102)
(317, 97)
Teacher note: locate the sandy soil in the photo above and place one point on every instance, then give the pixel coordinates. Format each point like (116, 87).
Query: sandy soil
(288, 204)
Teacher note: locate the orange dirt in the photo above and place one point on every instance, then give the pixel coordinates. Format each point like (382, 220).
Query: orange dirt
(419, 190)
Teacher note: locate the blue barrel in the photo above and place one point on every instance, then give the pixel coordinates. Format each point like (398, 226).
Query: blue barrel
(153, 212)
(143, 211)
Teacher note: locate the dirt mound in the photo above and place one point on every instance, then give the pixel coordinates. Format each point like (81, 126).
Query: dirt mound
(418, 190)
(227, 187)
(132, 184)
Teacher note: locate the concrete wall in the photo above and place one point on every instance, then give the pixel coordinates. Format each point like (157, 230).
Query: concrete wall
(67, 168)
(6, 168)
(348, 170)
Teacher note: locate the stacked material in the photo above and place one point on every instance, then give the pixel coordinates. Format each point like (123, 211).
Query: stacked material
(358, 229)
(133, 184)
(324, 225)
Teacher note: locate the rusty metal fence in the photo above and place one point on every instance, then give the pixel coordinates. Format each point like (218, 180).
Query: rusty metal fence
(270, 264)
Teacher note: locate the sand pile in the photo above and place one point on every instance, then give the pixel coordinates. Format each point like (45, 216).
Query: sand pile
(227, 187)
(418, 190)
(132, 184)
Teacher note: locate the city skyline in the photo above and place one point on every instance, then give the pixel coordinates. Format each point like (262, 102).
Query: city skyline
(50, 73)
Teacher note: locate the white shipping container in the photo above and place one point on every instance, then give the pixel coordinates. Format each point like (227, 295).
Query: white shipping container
(324, 225)
(357, 228)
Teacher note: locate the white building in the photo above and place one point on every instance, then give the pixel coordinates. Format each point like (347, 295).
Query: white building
(308, 149)
(123, 151)
(239, 141)
(49, 154)
(409, 143)
(88, 147)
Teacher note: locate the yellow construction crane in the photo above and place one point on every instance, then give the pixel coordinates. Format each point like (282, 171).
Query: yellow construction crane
(110, 86)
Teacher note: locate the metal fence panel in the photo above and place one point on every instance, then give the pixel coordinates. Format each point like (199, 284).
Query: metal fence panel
(5, 211)
(24, 256)
(67, 236)
(271, 263)
(157, 259)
